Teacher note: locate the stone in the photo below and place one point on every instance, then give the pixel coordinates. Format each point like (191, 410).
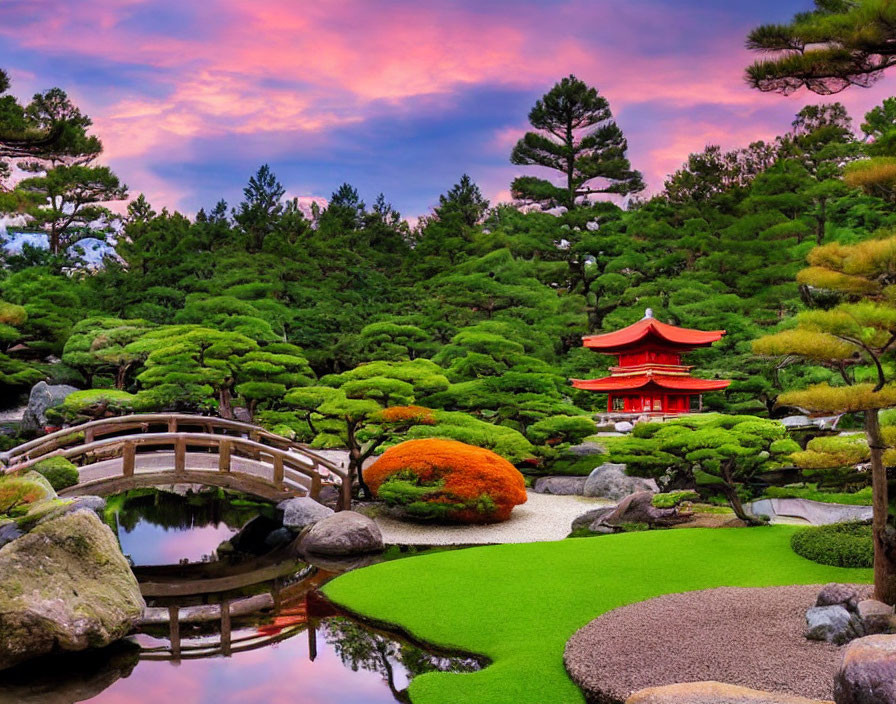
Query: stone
(343, 533)
(560, 486)
(867, 673)
(586, 449)
(301, 512)
(639, 508)
(9, 532)
(815, 512)
(65, 586)
(611, 482)
(251, 539)
(834, 594)
(279, 537)
(712, 693)
(833, 624)
(623, 426)
(43, 396)
(589, 517)
(876, 616)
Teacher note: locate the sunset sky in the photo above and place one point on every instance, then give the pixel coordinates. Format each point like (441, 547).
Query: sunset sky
(399, 96)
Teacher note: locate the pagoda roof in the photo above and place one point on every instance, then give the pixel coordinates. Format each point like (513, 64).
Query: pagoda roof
(639, 381)
(649, 327)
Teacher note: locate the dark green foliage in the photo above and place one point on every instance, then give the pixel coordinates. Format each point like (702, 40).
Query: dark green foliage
(839, 544)
(575, 135)
(60, 472)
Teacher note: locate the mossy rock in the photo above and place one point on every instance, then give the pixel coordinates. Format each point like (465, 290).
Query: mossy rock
(18, 492)
(65, 586)
(60, 472)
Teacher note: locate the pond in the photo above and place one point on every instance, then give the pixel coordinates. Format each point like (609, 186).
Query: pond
(299, 650)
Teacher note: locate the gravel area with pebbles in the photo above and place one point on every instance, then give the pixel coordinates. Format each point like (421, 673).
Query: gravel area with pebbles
(542, 517)
(745, 636)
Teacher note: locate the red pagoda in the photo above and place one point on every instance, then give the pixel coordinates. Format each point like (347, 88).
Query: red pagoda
(650, 377)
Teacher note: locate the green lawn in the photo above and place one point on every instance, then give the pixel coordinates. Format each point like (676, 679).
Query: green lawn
(518, 604)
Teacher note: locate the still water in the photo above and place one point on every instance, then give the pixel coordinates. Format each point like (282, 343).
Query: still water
(299, 650)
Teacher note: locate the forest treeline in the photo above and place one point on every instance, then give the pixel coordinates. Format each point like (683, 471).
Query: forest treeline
(319, 324)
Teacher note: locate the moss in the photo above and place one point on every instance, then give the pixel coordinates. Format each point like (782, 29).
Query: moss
(673, 498)
(18, 492)
(60, 472)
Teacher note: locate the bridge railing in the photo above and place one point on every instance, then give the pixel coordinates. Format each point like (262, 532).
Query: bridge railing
(291, 464)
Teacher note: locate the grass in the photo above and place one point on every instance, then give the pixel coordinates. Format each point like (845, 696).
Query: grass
(518, 604)
(811, 492)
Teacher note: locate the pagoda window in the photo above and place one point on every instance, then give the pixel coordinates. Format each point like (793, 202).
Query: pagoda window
(618, 403)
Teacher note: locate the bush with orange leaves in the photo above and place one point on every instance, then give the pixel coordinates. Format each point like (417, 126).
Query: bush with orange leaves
(416, 415)
(447, 480)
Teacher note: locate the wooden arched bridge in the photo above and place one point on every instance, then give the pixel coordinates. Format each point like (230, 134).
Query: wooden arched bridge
(153, 449)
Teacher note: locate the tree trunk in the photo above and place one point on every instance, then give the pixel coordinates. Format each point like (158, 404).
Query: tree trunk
(733, 499)
(355, 462)
(884, 566)
(224, 407)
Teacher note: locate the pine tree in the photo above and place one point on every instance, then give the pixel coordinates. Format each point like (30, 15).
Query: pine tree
(576, 136)
(257, 215)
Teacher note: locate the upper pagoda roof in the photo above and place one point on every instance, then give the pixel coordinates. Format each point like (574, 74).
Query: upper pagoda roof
(649, 327)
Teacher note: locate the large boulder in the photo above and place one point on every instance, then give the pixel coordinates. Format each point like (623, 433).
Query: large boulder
(562, 486)
(876, 616)
(65, 586)
(867, 673)
(637, 508)
(834, 624)
(343, 533)
(611, 482)
(302, 511)
(42, 397)
(712, 693)
(589, 517)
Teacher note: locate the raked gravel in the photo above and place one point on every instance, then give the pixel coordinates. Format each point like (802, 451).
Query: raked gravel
(752, 637)
(542, 517)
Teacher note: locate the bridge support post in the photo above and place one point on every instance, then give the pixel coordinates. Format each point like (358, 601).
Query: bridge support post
(224, 456)
(278, 470)
(180, 456)
(225, 628)
(128, 459)
(174, 631)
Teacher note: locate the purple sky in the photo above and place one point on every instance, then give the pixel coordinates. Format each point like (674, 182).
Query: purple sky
(398, 96)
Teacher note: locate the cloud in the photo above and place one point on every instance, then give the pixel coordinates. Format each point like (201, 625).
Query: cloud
(396, 96)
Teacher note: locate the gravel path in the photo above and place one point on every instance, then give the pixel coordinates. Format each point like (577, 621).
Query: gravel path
(542, 517)
(744, 636)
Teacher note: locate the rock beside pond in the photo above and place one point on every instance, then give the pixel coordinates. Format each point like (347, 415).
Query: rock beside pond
(560, 486)
(712, 693)
(833, 624)
(867, 673)
(611, 482)
(65, 586)
(43, 396)
(302, 511)
(343, 533)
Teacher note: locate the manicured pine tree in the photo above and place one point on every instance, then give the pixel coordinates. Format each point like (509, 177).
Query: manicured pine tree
(575, 136)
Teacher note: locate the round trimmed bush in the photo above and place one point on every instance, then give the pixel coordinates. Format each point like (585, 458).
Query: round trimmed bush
(838, 544)
(58, 471)
(447, 480)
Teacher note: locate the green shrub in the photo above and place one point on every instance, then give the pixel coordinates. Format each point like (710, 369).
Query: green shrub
(839, 544)
(811, 492)
(673, 498)
(58, 471)
(90, 404)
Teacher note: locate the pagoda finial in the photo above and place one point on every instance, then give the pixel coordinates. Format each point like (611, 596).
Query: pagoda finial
(648, 312)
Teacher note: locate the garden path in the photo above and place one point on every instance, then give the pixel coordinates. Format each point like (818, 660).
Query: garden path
(542, 517)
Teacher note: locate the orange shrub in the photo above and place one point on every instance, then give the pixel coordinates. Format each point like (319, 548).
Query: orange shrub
(407, 414)
(447, 479)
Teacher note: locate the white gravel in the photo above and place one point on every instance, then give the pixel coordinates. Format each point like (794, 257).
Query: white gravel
(542, 517)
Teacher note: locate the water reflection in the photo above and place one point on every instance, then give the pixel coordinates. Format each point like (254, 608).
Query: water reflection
(229, 631)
